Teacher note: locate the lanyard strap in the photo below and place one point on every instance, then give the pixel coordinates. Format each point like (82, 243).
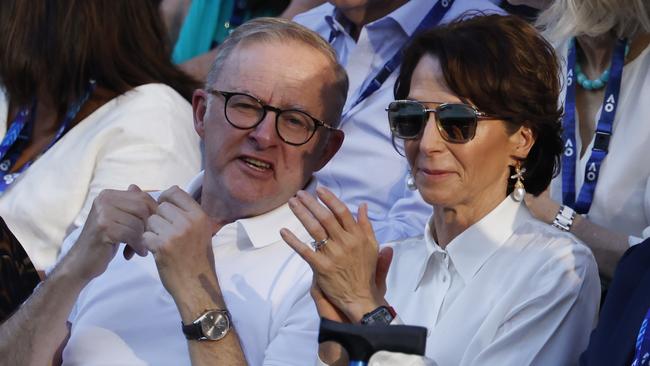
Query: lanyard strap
(603, 131)
(642, 353)
(19, 134)
(430, 20)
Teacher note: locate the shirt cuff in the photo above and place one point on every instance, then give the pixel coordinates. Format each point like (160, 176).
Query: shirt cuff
(633, 240)
(319, 362)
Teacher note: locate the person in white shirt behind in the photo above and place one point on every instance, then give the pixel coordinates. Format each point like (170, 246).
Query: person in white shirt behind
(477, 118)
(603, 190)
(219, 273)
(368, 36)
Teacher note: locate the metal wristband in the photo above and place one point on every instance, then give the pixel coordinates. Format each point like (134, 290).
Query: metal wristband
(564, 218)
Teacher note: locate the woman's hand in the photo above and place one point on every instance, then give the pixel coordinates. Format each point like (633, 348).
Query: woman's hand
(349, 272)
(325, 307)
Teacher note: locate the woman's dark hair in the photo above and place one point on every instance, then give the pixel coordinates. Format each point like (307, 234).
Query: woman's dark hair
(56, 47)
(504, 67)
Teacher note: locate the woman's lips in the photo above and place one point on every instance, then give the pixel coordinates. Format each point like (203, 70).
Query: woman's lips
(435, 174)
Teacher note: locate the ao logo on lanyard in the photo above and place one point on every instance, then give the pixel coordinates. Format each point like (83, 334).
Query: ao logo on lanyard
(602, 136)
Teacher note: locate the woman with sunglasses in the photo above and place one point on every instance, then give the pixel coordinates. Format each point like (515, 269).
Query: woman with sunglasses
(476, 116)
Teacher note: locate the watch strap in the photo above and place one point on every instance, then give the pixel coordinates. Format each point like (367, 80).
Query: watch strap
(193, 330)
(564, 218)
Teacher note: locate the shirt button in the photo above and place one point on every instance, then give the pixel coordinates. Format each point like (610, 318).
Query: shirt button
(444, 278)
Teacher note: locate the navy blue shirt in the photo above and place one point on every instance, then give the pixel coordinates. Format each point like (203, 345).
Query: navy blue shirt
(612, 342)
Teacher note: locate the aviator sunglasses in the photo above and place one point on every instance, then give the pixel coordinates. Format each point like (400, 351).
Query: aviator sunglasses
(455, 121)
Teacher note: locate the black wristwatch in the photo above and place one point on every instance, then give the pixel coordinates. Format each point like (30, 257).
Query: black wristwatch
(383, 315)
(212, 325)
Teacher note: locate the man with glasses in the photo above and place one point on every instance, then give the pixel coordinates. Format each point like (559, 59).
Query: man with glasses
(368, 36)
(214, 268)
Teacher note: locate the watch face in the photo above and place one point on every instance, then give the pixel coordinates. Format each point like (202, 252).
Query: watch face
(215, 325)
(381, 315)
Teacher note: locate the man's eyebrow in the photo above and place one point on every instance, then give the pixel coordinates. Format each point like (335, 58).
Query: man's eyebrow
(296, 107)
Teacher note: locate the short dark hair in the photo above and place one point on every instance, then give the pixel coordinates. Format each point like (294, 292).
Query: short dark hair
(504, 67)
(57, 46)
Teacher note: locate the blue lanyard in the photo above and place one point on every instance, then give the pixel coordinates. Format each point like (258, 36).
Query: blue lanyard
(642, 353)
(432, 18)
(602, 136)
(19, 134)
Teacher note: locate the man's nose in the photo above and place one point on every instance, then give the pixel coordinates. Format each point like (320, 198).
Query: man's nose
(264, 134)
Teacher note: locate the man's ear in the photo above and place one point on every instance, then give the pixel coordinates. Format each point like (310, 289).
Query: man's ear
(521, 142)
(334, 142)
(199, 107)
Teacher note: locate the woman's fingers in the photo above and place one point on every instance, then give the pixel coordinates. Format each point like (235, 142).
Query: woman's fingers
(308, 220)
(322, 214)
(364, 222)
(384, 259)
(337, 207)
(299, 247)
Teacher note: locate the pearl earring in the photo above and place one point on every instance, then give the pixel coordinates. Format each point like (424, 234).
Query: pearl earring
(410, 182)
(519, 192)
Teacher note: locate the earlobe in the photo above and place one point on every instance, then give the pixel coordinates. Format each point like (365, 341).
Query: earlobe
(199, 108)
(334, 143)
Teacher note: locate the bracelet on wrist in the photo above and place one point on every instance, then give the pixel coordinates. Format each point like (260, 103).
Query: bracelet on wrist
(564, 218)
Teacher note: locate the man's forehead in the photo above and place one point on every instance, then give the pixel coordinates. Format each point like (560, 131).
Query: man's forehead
(265, 68)
(277, 49)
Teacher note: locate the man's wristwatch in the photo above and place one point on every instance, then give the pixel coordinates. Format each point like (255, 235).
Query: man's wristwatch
(211, 326)
(564, 218)
(383, 315)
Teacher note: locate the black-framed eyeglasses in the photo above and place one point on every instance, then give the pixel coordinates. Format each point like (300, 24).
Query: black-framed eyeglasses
(243, 111)
(455, 121)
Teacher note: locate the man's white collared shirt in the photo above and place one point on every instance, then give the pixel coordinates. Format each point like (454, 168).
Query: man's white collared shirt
(126, 317)
(367, 168)
(510, 290)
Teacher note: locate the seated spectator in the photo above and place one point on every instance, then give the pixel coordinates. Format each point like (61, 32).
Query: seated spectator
(602, 195)
(213, 257)
(197, 27)
(476, 115)
(88, 100)
(368, 37)
(618, 339)
(18, 277)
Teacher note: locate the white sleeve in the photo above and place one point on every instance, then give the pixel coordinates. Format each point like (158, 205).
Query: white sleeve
(385, 358)
(153, 148)
(552, 324)
(296, 342)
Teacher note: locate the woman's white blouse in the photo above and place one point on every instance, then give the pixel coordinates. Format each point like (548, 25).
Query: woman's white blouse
(622, 197)
(509, 290)
(145, 137)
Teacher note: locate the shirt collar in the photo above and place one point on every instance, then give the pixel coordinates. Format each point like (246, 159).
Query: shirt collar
(410, 15)
(471, 249)
(264, 229)
(407, 16)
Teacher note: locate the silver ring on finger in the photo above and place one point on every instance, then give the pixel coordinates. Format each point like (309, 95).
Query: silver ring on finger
(319, 244)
